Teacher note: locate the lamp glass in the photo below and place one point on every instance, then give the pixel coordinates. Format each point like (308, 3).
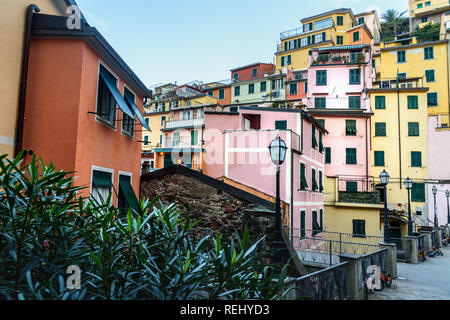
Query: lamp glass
(447, 193)
(384, 177)
(277, 151)
(434, 190)
(408, 183)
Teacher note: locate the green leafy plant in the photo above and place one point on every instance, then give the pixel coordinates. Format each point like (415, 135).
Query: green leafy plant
(152, 253)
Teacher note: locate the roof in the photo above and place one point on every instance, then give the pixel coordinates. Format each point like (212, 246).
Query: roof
(416, 45)
(50, 26)
(219, 185)
(340, 10)
(250, 65)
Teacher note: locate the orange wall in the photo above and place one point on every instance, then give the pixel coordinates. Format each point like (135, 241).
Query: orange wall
(227, 91)
(58, 127)
(364, 37)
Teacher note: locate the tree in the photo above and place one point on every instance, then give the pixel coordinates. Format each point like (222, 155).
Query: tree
(393, 23)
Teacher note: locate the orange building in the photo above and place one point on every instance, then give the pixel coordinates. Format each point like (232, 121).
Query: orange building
(219, 90)
(83, 109)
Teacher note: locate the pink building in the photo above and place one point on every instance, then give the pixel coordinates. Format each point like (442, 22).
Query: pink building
(338, 79)
(236, 145)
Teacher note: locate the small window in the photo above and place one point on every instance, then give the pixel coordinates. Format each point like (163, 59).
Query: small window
(251, 88)
(432, 99)
(328, 155)
(401, 56)
(194, 137)
(236, 76)
(413, 129)
(302, 224)
(263, 86)
(293, 89)
(321, 77)
(237, 91)
(221, 94)
(314, 140)
(380, 102)
(350, 127)
(106, 105)
(401, 75)
(340, 20)
(380, 129)
(127, 121)
(303, 181)
(281, 125)
(146, 141)
(416, 159)
(351, 186)
(413, 102)
(419, 5)
(359, 228)
(350, 154)
(428, 3)
(315, 187)
(340, 40)
(424, 19)
(306, 86)
(211, 93)
(320, 103)
(101, 185)
(361, 20)
(379, 158)
(418, 192)
(354, 102)
(321, 122)
(429, 76)
(355, 36)
(355, 76)
(254, 72)
(315, 224)
(429, 53)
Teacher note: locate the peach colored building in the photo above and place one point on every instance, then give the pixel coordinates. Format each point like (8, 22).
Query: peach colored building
(236, 149)
(338, 79)
(83, 109)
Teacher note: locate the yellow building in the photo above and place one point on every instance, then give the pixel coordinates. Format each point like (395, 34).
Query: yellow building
(333, 28)
(426, 11)
(426, 60)
(12, 30)
(399, 146)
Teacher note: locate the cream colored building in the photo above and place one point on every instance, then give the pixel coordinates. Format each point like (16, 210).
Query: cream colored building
(12, 30)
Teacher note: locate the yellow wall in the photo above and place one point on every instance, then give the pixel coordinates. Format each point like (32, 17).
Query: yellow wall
(155, 126)
(435, 4)
(416, 65)
(390, 145)
(12, 28)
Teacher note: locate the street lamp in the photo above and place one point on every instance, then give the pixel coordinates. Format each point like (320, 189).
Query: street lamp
(447, 194)
(277, 149)
(408, 184)
(384, 177)
(435, 213)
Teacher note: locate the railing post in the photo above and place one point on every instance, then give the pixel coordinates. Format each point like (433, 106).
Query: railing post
(331, 253)
(340, 243)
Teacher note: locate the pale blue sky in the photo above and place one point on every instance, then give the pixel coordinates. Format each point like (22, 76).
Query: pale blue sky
(178, 40)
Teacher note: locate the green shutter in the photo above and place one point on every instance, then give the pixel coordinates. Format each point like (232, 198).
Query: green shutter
(101, 179)
(327, 155)
(320, 142)
(356, 36)
(321, 219)
(194, 137)
(432, 99)
(429, 75)
(263, 86)
(359, 227)
(429, 53)
(355, 76)
(315, 224)
(321, 77)
(128, 192)
(320, 103)
(379, 158)
(416, 159)
(380, 129)
(413, 102)
(321, 122)
(281, 125)
(314, 140)
(350, 127)
(380, 102)
(354, 102)
(320, 181)
(303, 182)
(418, 192)
(351, 156)
(413, 129)
(302, 224)
(314, 181)
(351, 186)
(401, 56)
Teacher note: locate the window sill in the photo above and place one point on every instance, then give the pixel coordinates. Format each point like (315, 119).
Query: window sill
(129, 136)
(359, 236)
(104, 122)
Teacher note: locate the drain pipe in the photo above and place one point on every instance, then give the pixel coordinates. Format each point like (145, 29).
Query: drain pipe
(24, 77)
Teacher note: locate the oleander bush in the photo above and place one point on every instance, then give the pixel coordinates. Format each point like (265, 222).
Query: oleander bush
(45, 227)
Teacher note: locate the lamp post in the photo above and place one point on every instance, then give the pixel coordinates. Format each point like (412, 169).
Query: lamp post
(408, 184)
(277, 149)
(384, 177)
(447, 194)
(435, 213)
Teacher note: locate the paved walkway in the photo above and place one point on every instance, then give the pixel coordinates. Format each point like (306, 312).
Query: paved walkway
(429, 280)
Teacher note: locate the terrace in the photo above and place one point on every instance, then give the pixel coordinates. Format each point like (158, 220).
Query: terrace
(308, 28)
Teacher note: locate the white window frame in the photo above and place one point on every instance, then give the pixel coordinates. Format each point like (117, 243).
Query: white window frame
(132, 137)
(434, 73)
(97, 118)
(101, 169)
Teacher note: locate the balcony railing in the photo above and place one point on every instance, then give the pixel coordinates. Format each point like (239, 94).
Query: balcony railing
(319, 25)
(184, 123)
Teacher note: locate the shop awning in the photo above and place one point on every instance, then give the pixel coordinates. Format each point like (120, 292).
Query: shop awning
(136, 111)
(110, 83)
(127, 189)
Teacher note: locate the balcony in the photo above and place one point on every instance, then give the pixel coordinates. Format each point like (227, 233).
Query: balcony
(319, 25)
(190, 123)
(402, 83)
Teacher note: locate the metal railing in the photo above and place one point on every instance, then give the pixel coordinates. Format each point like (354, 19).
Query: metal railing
(319, 25)
(184, 123)
(326, 284)
(376, 258)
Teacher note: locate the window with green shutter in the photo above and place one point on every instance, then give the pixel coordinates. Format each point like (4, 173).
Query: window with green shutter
(356, 36)
(416, 159)
(194, 137)
(429, 76)
(401, 75)
(306, 86)
(320, 181)
(254, 72)
(413, 129)
(419, 5)
(350, 154)
(303, 181)
(380, 102)
(236, 76)
(327, 155)
(321, 219)
(380, 129)
(354, 102)
(163, 118)
(320, 142)
(355, 76)
(251, 88)
(221, 94)
(432, 99)
(350, 127)
(314, 140)
(429, 53)
(418, 192)
(281, 125)
(401, 56)
(340, 39)
(340, 20)
(320, 103)
(314, 181)
(302, 224)
(359, 228)
(321, 122)
(315, 224)
(321, 77)
(146, 141)
(282, 61)
(211, 93)
(293, 89)
(237, 91)
(379, 158)
(413, 102)
(351, 186)
(263, 86)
